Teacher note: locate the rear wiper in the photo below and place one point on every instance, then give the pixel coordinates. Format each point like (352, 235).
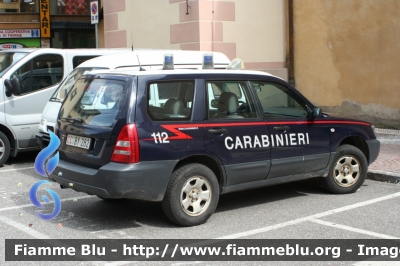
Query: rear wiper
(73, 120)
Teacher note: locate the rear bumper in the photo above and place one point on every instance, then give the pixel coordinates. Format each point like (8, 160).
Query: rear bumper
(373, 149)
(42, 139)
(145, 180)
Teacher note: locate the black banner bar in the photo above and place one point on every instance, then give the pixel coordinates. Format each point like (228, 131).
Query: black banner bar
(202, 250)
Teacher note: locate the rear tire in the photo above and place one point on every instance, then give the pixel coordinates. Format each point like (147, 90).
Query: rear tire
(192, 195)
(4, 148)
(348, 170)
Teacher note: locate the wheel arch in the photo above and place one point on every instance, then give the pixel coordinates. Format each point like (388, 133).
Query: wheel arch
(206, 160)
(11, 139)
(357, 142)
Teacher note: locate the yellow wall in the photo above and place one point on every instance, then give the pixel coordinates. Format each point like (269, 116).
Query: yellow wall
(347, 56)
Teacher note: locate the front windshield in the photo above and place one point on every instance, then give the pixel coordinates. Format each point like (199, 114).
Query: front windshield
(69, 81)
(8, 59)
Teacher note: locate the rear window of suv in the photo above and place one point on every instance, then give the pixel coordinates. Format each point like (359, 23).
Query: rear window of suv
(94, 102)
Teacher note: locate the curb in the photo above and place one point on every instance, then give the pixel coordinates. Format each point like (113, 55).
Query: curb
(383, 176)
(387, 131)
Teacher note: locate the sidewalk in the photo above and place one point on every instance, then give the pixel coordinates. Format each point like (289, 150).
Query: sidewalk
(387, 167)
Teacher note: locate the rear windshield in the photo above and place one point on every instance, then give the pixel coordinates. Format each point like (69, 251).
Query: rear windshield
(66, 85)
(8, 59)
(93, 102)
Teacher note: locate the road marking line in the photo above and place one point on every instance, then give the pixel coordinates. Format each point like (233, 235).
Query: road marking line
(8, 170)
(357, 230)
(118, 263)
(188, 263)
(24, 228)
(308, 218)
(369, 262)
(281, 225)
(31, 205)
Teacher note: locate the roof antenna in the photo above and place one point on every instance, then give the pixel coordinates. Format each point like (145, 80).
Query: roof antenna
(132, 40)
(140, 66)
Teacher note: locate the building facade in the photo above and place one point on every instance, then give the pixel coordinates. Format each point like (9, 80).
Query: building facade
(251, 30)
(46, 23)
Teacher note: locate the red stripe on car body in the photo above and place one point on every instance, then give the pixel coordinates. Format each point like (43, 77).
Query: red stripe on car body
(179, 135)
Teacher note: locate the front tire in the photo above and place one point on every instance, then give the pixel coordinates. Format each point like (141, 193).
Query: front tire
(348, 170)
(192, 195)
(4, 148)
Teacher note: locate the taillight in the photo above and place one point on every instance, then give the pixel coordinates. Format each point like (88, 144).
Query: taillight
(126, 150)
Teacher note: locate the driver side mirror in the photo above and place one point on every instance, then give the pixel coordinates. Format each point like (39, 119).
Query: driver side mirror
(12, 87)
(316, 112)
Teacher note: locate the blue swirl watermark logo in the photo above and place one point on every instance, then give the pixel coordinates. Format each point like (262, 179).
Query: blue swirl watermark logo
(45, 164)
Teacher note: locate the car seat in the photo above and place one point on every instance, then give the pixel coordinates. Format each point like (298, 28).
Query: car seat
(173, 107)
(227, 106)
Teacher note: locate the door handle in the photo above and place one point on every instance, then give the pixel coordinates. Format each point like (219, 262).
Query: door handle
(282, 128)
(218, 131)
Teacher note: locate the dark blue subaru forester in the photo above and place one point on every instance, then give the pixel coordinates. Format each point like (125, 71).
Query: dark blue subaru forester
(183, 137)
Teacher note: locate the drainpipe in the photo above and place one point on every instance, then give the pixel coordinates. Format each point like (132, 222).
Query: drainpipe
(291, 44)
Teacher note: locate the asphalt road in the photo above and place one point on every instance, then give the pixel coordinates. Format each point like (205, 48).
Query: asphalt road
(300, 210)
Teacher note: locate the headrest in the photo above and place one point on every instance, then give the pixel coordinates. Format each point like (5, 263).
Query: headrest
(173, 106)
(228, 102)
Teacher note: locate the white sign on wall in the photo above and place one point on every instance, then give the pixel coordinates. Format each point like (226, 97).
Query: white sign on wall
(20, 33)
(94, 12)
(11, 46)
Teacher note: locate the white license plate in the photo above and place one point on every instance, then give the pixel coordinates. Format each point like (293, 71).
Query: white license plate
(77, 141)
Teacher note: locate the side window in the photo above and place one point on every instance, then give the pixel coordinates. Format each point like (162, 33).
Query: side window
(278, 101)
(77, 60)
(170, 101)
(41, 72)
(229, 100)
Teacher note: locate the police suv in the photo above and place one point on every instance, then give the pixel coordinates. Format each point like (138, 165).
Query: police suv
(210, 132)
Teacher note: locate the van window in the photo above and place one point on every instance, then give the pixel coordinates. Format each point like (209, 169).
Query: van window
(77, 60)
(8, 59)
(41, 72)
(170, 101)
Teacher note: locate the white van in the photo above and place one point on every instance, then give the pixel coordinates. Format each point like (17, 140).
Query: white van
(134, 60)
(28, 77)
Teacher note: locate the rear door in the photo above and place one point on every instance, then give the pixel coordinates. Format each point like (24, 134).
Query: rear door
(235, 133)
(168, 126)
(299, 144)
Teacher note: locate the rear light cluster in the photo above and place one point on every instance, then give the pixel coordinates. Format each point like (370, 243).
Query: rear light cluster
(126, 149)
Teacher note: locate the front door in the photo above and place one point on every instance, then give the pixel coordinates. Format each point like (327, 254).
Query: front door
(299, 144)
(235, 133)
(37, 78)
